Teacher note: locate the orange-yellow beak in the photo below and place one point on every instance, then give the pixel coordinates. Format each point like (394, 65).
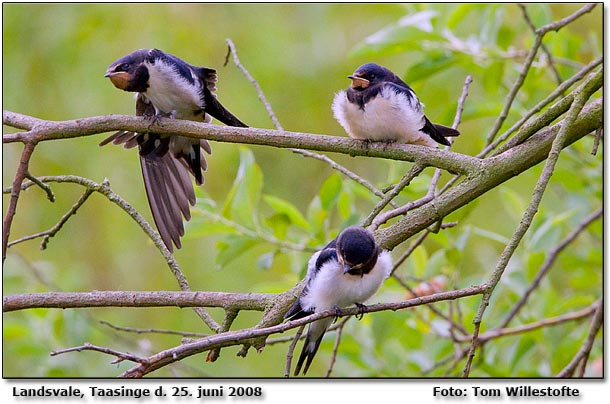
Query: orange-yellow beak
(359, 82)
(119, 79)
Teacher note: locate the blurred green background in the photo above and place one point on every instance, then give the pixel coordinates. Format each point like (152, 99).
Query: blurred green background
(54, 59)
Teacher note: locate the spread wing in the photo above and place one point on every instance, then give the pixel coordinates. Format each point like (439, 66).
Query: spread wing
(168, 185)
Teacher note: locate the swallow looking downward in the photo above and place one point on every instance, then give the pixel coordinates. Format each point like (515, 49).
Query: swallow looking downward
(166, 86)
(348, 271)
(379, 106)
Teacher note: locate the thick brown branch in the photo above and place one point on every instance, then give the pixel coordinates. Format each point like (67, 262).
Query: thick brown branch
(51, 130)
(175, 354)
(65, 300)
(494, 171)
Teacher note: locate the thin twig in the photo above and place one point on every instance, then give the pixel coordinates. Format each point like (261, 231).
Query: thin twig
(413, 172)
(461, 101)
(333, 357)
(20, 175)
(343, 170)
(153, 331)
(276, 122)
(539, 107)
(528, 216)
(48, 234)
(552, 321)
(121, 356)
(598, 135)
(47, 189)
(543, 46)
(261, 95)
(383, 218)
(291, 347)
(178, 353)
(104, 189)
(436, 311)
(548, 263)
(540, 33)
(583, 353)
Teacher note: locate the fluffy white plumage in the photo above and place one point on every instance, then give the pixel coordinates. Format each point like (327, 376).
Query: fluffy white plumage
(330, 287)
(170, 93)
(388, 117)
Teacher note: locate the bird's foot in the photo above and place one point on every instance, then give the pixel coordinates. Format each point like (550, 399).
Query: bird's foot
(338, 313)
(156, 118)
(361, 310)
(367, 144)
(388, 143)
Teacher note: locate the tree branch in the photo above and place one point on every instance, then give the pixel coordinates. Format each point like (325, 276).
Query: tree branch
(175, 354)
(53, 130)
(540, 33)
(583, 353)
(72, 300)
(560, 141)
(493, 171)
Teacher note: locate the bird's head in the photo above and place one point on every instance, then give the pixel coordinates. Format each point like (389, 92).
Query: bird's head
(129, 73)
(369, 74)
(357, 250)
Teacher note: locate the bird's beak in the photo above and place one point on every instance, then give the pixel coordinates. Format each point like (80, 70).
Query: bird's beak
(346, 269)
(359, 82)
(119, 79)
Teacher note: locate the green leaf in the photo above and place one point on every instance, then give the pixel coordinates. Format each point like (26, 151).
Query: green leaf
(330, 190)
(419, 259)
(242, 201)
(279, 223)
(490, 235)
(284, 207)
(404, 36)
(316, 216)
(431, 65)
(196, 229)
(513, 202)
(534, 262)
(459, 14)
(547, 234)
(232, 247)
(345, 204)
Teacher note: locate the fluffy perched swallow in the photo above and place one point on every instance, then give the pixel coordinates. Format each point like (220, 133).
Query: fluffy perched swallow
(348, 271)
(166, 86)
(379, 106)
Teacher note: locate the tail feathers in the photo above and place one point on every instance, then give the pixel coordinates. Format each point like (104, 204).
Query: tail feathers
(194, 161)
(438, 132)
(446, 131)
(312, 343)
(218, 111)
(309, 351)
(167, 198)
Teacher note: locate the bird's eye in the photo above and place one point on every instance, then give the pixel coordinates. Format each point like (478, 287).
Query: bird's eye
(123, 67)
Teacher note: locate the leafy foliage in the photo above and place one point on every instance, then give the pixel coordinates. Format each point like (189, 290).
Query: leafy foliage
(263, 212)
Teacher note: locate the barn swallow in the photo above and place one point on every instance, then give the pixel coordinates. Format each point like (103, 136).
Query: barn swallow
(348, 271)
(166, 86)
(379, 106)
